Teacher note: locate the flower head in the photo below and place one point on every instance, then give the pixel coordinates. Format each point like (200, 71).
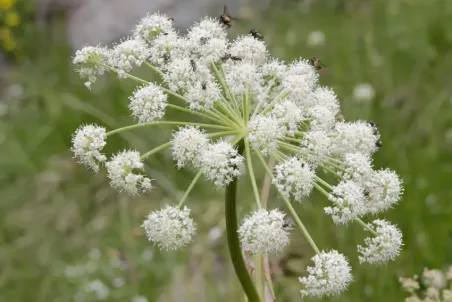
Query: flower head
(148, 103)
(329, 276)
(354, 137)
(264, 132)
(128, 54)
(349, 202)
(384, 188)
(242, 76)
(170, 228)
(165, 48)
(289, 114)
(87, 144)
(317, 143)
(220, 163)
(122, 173)
(90, 62)
(187, 144)
(249, 49)
(294, 178)
(385, 246)
(359, 167)
(300, 78)
(202, 95)
(208, 28)
(264, 232)
(152, 26)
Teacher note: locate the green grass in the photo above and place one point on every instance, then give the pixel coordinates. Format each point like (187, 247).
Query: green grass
(53, 212)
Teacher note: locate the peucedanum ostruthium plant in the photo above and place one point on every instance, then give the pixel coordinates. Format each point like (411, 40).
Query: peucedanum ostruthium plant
(246, 105)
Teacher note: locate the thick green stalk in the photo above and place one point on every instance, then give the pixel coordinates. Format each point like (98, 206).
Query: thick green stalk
(233, 239)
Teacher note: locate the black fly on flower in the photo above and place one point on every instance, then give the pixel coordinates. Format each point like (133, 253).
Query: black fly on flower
(251, 105)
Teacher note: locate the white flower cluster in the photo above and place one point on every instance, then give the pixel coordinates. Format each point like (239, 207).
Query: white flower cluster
(87, 143)
(122, 173)
(253, 101)
(294, 178)
(264, 232)
(220, 163)
(384, 247)
(329, 276)
(170, 228)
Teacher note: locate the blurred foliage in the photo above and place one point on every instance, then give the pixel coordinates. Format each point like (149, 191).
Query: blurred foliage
(53, 212)
(16, 27)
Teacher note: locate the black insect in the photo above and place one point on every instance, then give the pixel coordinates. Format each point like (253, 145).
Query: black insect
(166, 58)
(257, 34)
(193, 64)
(288, 224)
(316, 63)
(228, 56)
(204, 85)
(171, 19)
(203, 40)
(226, 18)
(379, 143)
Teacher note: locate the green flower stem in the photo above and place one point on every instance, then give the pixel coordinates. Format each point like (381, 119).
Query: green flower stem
(233, 240)
(296, 140)
(322, 190)
(301, 225)
(190, 187)
(358, 220)
(318, 179)
(278, 98)
(259, 275)
(126, 74)
(135, 126)
(252, 177)
(226, 89)
(223, 122)
(231, 95)
(229, 113)
(153, 68)
(155, 150)
(292, 210)
(222, 133)
(262, 100)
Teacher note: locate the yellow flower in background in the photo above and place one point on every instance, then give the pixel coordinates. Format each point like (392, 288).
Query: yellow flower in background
(7, 41)
(6, 4)
(12, 19)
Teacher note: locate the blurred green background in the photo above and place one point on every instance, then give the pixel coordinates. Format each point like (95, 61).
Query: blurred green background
(63, 228)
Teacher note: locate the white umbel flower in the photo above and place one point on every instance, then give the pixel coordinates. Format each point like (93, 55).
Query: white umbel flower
(349, 202)
(330, 275)
(364, 93)
(264, 232)
(180, 75)
(384, 188)
(300, 79)
(325, 97)
(170, 228)
(289, 114)
(152, 26)
(202, 95)
(317, 144)
(148, 103)
(322, 118)
(220, 163)
(264, 132)
(208, 28)
(359, 167)
(382, 248)
(121, 171)
(128, 54)
(249, 49)
(90, 62)
(242, 76)
(87, 144)
(165, 48)
(187, 144)
(210, 50)
(294, 178)
(354, 137)
(273, 70)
